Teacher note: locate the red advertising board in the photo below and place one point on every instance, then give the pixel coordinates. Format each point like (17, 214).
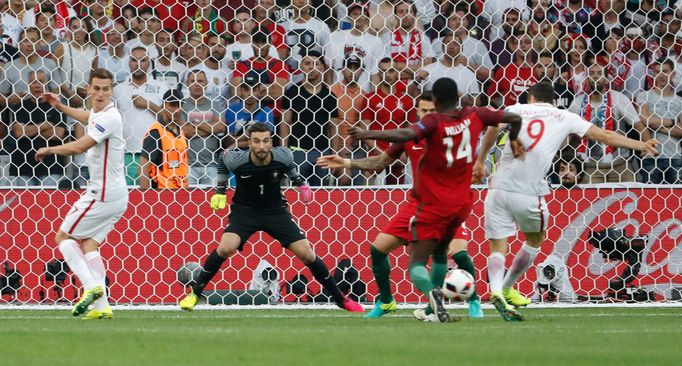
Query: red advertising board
(162, 230)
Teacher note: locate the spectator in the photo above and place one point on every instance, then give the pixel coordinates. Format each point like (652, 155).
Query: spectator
(264, 64)
(217, 76)
(112, 56)
(49, 42)
(192, 51)
(568, 170)
(8, 52)
(661, 112)
(204, 127)
(286, 10)
(612, 111)
(203, 18)
(410, 47)
(63, 13)
(351, 99)
(388, 108)
(497, 11)
(503, 48)
(247, 109)
(356, 41)
(544, 29)
(11, 26)
(546, 70)
(304, 34)
(635, 48)
(149, 25)
(609, 16)
(242, 49)
(512, 80)
(645, 13)
(35, 124)
(14, 82)
(264, 16)
(454, 66)
(310, 115)
(164, 161)
(575, 16)
(473, 50)
(76, 58)
(575, 48)
(139, 100)
(166, 68)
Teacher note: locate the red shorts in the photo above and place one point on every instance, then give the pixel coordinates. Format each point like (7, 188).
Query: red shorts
(416, 221)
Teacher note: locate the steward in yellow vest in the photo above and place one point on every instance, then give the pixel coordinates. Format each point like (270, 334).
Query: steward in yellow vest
(164, 162)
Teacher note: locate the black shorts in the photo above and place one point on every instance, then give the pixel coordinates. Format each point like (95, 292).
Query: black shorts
(278, 223)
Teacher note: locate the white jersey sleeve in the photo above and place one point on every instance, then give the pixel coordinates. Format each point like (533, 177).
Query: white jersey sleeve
(104, 126)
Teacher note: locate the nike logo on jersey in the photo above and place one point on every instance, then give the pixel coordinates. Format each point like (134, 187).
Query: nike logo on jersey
(245, 176)
(417, 148)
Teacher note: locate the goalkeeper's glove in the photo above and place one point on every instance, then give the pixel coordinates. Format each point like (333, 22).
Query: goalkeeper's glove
(218, 201)
(306, 193)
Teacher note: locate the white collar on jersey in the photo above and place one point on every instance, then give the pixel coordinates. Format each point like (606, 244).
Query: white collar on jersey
(105, 108)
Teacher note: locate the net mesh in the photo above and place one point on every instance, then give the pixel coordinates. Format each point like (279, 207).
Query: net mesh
(312, 69)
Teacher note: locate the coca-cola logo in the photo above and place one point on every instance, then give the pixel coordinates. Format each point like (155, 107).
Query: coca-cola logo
(627, 204)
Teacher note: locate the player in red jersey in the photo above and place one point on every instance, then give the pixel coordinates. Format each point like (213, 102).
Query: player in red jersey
(441, 198)
(384, 243)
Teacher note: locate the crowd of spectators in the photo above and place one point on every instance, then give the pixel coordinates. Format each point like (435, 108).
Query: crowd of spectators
(313, 68)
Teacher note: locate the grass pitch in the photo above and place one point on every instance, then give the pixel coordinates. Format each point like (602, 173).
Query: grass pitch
(586, 336)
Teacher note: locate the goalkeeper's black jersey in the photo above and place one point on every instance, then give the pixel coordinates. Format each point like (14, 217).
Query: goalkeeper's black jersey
(260, 186)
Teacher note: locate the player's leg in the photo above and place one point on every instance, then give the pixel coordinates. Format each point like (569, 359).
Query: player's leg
(102, 309)
(301, 249)
(381, 247)
(420, 251)
(530, 212)
(230, 242)
(458, 250)
(74, 257)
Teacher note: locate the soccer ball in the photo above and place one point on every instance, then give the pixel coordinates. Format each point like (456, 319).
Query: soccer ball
(188, 274)
(458, 285)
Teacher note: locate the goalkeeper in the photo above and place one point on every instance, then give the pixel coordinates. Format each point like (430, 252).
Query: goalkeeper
(258, 205)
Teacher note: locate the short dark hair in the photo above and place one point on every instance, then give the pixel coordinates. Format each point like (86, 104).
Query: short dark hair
(546, 54)
(665, 61)
(542, 91)
(445, 92)
(260, 35)
(101, 74)
(240, 10)
(385, 60)
(426, 96)
(258, 127)
(139, 48)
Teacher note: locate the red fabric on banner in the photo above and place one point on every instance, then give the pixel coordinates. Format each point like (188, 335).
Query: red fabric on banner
(162, 230)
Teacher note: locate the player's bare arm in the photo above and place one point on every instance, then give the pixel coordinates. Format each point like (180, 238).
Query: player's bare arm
(489, 139)
(372, 163)
(614, 139)
(514, 122)
(80, 115)
(397, 135)
(72, 148)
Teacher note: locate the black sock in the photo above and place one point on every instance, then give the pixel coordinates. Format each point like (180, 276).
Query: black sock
(210, 268)
(322, 275)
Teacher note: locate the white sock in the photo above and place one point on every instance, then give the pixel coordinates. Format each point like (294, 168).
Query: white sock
(522, 261)
(96, 264)
(496, 271)
(74, 258)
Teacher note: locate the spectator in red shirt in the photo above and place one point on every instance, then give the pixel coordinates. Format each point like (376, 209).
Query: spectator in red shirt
(264, 15)
(203, 18)
(512, 80)
(263, 63)
(388, 108)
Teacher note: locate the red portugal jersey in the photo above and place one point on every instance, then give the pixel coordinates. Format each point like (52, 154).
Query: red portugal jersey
(443, 174)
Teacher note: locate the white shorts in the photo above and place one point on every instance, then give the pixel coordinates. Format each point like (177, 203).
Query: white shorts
(504, 210)
(93, 219)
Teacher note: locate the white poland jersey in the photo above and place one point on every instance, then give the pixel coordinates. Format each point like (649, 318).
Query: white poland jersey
(105, 160)
(543, 132)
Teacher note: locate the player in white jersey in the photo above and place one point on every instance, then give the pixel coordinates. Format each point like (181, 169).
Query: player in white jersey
(106, 198)
(517, 189)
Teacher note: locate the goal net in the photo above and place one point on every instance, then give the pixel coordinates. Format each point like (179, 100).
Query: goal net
(312, 69)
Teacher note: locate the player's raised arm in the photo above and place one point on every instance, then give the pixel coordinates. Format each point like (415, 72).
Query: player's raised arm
(297, 180)
(614, 139)
(80, 115)
(397, 135)
(371, 163)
